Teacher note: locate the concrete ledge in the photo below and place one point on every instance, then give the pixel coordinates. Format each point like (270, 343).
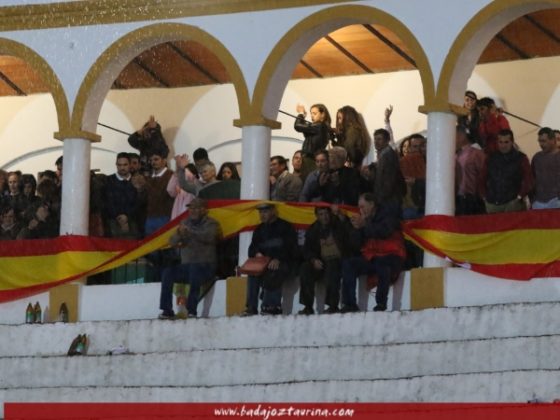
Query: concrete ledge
(283, 365)
(363, 328)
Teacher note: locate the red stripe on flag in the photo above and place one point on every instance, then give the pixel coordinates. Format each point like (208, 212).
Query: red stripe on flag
(489, 223)
(39, 247)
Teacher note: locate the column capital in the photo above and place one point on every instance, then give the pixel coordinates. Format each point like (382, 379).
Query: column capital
(257, 120)
(445, 107)
(71, 133)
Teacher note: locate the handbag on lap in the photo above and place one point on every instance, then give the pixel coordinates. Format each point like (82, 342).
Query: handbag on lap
(254, 266)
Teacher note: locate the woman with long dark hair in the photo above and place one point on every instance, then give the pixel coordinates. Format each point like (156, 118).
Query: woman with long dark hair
(352, 135)
(316, 133)
(228, 170)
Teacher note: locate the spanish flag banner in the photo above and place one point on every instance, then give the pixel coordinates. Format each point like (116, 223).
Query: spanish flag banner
(516, 246)
(29, 267)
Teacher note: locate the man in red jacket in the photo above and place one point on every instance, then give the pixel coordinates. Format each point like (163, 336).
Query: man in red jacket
(491, 123)
(377, 231)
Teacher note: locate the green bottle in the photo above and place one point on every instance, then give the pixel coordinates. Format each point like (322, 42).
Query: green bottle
(29, 314)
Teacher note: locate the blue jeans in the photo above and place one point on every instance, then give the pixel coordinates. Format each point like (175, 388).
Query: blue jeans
(160, 258)
(271, 297)
(194, 274)
(386, 268)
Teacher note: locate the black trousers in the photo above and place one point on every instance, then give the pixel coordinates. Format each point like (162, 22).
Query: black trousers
(330, 274)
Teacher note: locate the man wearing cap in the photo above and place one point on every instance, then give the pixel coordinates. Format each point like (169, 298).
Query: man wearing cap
(198, 236)
(277, 239)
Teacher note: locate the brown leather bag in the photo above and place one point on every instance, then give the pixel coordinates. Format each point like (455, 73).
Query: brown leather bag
(255, 266)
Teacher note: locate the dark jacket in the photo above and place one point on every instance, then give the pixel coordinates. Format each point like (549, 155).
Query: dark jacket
(316, 135)
(382, 225)
(389, 185)
(343, 187)
(340, 230)
(119, 197)
(505, 176)
(155, 143)
(277, 240)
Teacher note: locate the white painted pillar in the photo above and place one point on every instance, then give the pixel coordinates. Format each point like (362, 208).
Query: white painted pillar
(255, 162)
(440, 172)
(74, 218)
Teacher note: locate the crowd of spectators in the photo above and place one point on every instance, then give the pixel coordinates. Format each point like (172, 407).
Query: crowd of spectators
(492, 175)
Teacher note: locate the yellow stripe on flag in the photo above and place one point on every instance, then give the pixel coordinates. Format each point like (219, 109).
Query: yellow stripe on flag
(522, 246)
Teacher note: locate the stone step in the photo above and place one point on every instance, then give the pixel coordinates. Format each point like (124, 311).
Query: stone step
(261, 366)
(510, 386)
(357, 329)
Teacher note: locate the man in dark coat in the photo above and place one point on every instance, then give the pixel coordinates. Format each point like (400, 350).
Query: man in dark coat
(326, 242)
(277, 239)
(377, 231)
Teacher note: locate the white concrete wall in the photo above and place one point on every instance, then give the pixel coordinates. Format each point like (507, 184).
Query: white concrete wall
(485, 354)
(203, 116)
(141, 301)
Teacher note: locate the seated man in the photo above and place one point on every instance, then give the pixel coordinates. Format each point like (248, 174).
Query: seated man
(277, 239)
(197, 236)
(326, 242)
(377, 232)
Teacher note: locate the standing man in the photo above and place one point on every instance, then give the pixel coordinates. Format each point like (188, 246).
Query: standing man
(506, 177)
(284, 186)
(120, 201)
(297, 161)
(158, 209)
(197, 235)
(377, 232)
(388, 185)
(491, 123)
(277, 239)
(148, 140)
(134, 163)
(313, 186)
(160, 203)
(546, 169)
(469, 166)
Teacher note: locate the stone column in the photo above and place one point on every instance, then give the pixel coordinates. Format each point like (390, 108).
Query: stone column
(255, 161)
(74, 218)
(440, 172)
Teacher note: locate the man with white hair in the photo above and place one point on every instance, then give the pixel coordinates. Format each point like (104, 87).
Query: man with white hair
(344, 183)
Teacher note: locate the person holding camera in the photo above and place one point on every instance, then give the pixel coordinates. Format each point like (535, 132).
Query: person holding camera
(148, 140)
